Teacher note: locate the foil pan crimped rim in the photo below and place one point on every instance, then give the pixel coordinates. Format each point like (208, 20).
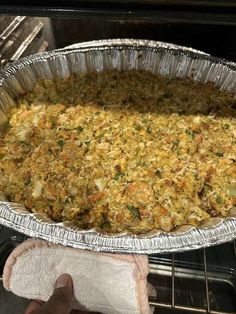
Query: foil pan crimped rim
(38, 225)
(157, 57)
(134, 43)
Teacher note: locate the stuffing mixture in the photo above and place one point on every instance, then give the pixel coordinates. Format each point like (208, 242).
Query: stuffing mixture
(122, 151)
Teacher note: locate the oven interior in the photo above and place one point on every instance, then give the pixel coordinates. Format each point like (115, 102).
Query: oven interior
(200, 281)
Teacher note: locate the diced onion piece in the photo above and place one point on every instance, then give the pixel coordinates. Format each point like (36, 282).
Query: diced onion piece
(36, 120)
(100, 183)
(22, 134)
(197, 119)
(103, 145)
(232, 190)
(37, 189)
(194, 216)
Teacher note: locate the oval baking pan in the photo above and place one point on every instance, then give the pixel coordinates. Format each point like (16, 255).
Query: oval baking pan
(166, 59)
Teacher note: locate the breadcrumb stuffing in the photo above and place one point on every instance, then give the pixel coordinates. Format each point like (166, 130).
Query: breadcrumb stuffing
(122, 151)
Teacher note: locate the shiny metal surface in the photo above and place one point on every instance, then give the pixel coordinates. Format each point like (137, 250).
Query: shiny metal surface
(166, 59)
(201, 287)
(206, 280)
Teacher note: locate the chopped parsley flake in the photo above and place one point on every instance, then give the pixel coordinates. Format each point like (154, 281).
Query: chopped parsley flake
(134, 211)
(61, 143)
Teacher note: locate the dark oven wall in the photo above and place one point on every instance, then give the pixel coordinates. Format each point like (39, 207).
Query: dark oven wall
(215, 39)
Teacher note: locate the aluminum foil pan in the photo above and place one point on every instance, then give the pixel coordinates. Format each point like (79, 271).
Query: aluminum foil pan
(122, 54)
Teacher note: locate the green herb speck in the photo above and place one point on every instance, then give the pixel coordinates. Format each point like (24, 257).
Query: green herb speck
(106, 225)
(100, 136)
(79, 129)
(175, 145)
(219, 154)
(53, 121)
(219, 199)
(149, 130)
(190, 133)
(118, 175)
(137, 127)
(134, 211)
(61, 143)
(207, 189)
(25, 146)
(27, 180)
(158, 173)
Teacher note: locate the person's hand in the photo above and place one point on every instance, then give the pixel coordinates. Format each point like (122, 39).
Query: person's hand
(61, 302)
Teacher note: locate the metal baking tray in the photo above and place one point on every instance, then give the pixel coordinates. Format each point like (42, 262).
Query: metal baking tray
(122, 54)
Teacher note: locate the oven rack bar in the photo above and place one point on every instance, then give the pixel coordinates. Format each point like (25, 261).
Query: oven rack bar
(186, 309)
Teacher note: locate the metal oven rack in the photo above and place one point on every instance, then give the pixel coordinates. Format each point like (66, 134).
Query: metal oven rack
(172, 305)
(21, 36)
(208, 275)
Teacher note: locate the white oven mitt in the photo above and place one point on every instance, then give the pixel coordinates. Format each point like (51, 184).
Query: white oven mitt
(106, 283)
